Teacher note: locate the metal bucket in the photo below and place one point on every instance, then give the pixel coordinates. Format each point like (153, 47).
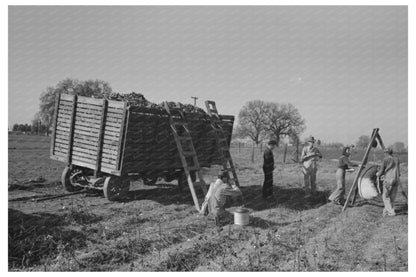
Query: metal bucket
(241, 216)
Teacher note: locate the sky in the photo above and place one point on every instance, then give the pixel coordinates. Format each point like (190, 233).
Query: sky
(343, 67)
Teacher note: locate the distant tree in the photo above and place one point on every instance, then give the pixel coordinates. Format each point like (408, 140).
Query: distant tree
(336, 145)
(251, 122)
(398, 147)
(15, 127)
(283, 120)
(95, 88)
(363, 141)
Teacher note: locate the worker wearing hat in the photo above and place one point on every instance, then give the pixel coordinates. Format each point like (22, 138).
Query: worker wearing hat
(309, 158)
(390, 170)
(268, 167)
(217, 195)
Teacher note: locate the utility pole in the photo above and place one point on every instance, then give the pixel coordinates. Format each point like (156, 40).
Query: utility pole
(194, 97)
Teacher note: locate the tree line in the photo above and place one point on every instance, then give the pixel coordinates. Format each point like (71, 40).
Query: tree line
(257, 120)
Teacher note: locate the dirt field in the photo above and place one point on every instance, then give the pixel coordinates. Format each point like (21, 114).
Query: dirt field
(156, 228)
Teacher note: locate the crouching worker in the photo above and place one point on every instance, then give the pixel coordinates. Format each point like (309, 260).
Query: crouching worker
(217, 196)
(390, 169)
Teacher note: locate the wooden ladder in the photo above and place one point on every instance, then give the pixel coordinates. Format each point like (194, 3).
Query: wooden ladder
(375, 136)
(222, 142)
(186, 150)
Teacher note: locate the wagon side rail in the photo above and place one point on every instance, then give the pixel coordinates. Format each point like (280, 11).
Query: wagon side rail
(89, 133)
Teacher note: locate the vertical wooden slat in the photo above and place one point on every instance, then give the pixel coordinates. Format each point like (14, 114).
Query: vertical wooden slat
(101, 135)
(71, 130)
(55, 119)
(122, 138)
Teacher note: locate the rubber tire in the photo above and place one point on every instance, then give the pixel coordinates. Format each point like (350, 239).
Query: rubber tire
(115, 188)
(66, 181)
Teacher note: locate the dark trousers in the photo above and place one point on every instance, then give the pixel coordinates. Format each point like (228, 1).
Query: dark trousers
(268, 183)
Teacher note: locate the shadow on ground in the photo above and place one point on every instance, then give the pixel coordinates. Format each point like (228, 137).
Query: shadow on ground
(291, 198)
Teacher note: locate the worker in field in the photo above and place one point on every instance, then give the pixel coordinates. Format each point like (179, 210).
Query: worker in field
(219, 192)
(344, 163)
(389, 172)
(309, 157)
(268, 167)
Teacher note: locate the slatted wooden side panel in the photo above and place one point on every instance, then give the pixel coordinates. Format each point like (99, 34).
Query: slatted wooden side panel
(86, 132)
(60, 145)
(97, 134)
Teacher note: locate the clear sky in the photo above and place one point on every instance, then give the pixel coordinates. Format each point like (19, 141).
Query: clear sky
(344, 68)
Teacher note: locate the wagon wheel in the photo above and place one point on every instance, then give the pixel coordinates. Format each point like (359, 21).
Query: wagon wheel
(70, 179)
(115, 188)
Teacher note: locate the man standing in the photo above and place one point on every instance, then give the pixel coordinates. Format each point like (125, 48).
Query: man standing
(390, 169)
(268, 167)
(309, 158)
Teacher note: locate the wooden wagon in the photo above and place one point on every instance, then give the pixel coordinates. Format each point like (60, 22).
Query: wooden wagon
(106, 143)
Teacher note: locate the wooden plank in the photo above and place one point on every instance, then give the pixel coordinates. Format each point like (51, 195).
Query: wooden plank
(57, 99)
(111, 134)
(71, 130)
(67, 97)
(111, 142)
(63, 124)
(116, 104)
(83, 158)
(86, 133)
(88, 129)
(65, 110)
(59, 158)
(89, 100)
(64, 116)
(113, 124)
(109, 156)
(86, 111)
(62, 134)
(115, 110)
(122, 141)
(62, 141)
(91, 145)
(87, 125)
(114, 115)
(110, 152)
(101, 135)
(81, 138)
(86, 116)
(85, 106)
(112, 129)
(82, 164)
(91, 152)
(114, 120)
(62, 137)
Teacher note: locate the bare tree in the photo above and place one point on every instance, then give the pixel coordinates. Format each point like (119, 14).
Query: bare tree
(363, 141)
(283, 120)
(251, 122)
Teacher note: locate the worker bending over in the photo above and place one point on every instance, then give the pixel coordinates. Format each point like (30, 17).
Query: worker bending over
(309, 158)
(217, 195)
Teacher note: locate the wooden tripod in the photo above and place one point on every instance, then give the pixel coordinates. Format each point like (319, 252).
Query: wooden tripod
(375, 136)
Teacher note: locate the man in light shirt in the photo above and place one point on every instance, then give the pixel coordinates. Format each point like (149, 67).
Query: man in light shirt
(217, 195)
(309, 158)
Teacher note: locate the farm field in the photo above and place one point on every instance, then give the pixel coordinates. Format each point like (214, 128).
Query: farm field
(156, 228)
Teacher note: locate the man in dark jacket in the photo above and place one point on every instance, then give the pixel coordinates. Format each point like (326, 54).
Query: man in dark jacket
(268, 167)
